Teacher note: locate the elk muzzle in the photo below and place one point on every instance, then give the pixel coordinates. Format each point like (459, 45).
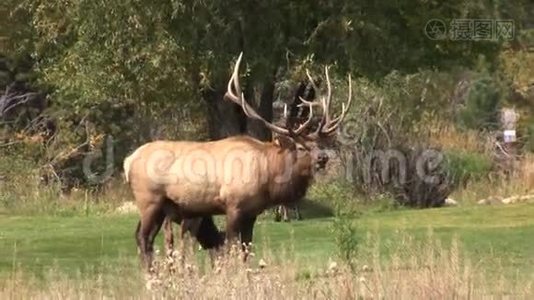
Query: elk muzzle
(321, 160)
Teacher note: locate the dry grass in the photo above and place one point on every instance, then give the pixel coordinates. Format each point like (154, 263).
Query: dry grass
(518, 183)
(414, 270)
(519, 179)
(449, 137)
(497, 188)
(526, 171)
(25, 195)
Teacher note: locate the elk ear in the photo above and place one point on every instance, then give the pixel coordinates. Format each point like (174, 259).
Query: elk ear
(284, 142)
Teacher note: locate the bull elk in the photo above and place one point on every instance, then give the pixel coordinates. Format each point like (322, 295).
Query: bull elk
(203, 230)
(282, 212)
(237, 176)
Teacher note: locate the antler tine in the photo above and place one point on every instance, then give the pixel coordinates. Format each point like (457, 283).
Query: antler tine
(308, 122)
(328, 97)
(240, 100)
(323, 103)
(335, 123)
(311, 81)
(235, 80)
(307, 103)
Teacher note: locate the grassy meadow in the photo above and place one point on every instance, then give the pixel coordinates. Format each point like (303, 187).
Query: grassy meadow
(495, 241)
(81, 246)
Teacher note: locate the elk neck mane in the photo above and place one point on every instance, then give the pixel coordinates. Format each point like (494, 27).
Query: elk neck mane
(294, 186)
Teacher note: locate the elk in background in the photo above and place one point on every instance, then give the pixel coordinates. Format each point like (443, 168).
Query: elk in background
(296, 114)
(203, 230)
(238, 176)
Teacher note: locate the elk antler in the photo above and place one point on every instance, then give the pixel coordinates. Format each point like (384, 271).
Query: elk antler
(239, 99)
(328, 125)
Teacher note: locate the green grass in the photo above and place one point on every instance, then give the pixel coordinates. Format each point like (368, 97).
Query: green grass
(496, 236)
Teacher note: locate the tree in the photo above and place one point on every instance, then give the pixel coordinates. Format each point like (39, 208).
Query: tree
(138, 60)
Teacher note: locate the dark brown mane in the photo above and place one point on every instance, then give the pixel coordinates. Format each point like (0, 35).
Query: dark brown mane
(293, 186)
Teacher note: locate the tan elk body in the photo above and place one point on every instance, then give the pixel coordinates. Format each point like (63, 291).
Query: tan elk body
(237, 176)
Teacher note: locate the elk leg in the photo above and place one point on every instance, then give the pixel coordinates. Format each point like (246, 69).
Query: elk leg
(137, 240)
(150, 224)
(169, 236)
(285, 210)
(233, 225)
(247, 228)
(183, 236)
(298, 216)
(158, 221)
(277, 214)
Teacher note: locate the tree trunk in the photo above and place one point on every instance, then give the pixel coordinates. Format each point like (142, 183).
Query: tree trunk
(224, 118)
(227, 119)
(265, 109)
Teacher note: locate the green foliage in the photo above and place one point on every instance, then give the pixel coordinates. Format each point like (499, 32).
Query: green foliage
(481, 109)
(529, 143)
(336, 194)
(347, 238)
(517, 68)
(122, 66)
(151, 52)
(383, 203)
(386, 138)
(465, 166)
(420, 93)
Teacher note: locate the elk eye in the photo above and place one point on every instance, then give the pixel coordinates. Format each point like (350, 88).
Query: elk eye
(301, 148)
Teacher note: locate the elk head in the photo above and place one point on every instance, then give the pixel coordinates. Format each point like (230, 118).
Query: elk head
(298, 140)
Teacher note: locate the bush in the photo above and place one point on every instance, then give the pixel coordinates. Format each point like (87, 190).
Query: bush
(338, 195)
(426, 182)
(464, 166)
(481, 110)
(346, 237)
(529, 141)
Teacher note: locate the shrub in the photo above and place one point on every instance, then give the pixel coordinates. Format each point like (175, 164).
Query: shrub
(481, 109)
(346, 237)
(426, 182)
(338, 195)
(464, 166)
(529, 141)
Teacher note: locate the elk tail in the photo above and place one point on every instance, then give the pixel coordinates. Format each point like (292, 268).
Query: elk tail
(127, 164)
